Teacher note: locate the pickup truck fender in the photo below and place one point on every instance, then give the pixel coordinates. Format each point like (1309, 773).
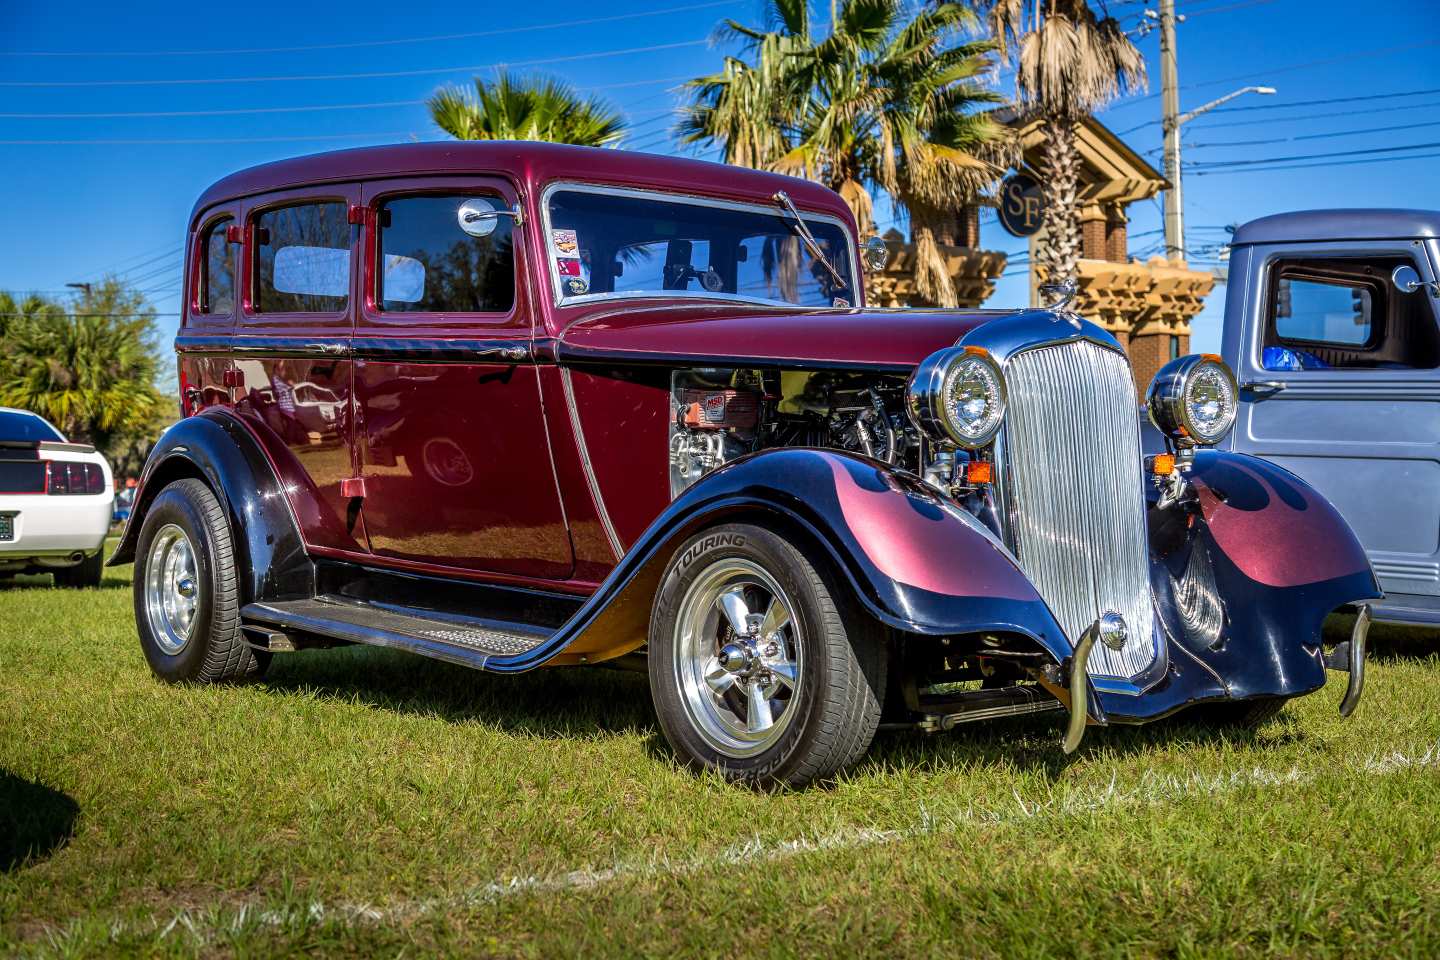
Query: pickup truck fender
(1244, 573)
(215, 447)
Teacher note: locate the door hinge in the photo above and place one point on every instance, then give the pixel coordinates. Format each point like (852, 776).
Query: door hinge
(353, 488)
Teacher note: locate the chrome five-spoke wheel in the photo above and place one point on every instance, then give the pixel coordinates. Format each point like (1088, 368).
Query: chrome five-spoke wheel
(761, 670)
(172, 589)
(738, 657)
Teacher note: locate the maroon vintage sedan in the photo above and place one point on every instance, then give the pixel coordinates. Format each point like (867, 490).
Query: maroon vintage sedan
(517, 405)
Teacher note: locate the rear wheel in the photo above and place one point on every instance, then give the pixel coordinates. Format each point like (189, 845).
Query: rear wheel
(187, 595)
(86, 573)
(753, 668)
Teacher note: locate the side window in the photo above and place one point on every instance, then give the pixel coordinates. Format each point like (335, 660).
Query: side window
(217, 270)
(1343, 313)
(302, 259)
(436, 256)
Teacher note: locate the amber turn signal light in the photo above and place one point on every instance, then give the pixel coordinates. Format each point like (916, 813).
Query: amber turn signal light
(1163, 465)
(978, 472)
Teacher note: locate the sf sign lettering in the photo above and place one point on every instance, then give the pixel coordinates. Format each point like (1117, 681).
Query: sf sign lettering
(1021, 207)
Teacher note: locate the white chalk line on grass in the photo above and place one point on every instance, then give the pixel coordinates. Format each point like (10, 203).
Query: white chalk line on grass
(209, 924)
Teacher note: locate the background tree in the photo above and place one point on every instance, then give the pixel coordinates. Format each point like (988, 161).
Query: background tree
(1069, 62)
(879, 101)
(89, 366)
(518, 108)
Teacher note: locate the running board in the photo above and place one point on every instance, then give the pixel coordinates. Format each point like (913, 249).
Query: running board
(466, 641)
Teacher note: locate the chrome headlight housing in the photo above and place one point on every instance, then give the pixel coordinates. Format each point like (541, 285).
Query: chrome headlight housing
(957, 395)
(1193, 400)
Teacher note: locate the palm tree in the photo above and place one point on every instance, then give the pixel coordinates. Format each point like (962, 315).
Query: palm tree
(878, 101)
(513, 108)
(89, 370)
(1069, 63)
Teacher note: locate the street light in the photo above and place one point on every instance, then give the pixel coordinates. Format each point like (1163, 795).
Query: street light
(1171, 123)
(80, 286)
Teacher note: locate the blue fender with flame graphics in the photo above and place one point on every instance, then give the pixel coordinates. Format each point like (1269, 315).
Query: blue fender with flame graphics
(1244, 571)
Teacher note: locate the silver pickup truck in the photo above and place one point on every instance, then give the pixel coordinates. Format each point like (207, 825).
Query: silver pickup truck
(1332, 326)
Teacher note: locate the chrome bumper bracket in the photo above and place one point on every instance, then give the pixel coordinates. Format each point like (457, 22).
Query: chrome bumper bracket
(1080, 688)
(1356, 685)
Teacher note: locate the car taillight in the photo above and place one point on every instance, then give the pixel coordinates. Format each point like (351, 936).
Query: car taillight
(66, 479)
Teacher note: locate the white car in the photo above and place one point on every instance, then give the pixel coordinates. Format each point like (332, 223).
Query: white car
(55, 502)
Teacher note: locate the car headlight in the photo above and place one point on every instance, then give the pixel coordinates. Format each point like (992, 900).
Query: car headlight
(1193, 400)
(957, 395)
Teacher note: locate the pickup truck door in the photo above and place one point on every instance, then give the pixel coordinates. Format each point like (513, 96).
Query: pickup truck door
(1340, 383)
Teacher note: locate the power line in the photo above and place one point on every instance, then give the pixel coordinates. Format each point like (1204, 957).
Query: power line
(372, 75)
(1311, 136)
(1215, 164)
(1306, 166)
(552, 25)
(47, 313)
(1273, 71)
(195, 141)
(1291, 106)
(1201, 125)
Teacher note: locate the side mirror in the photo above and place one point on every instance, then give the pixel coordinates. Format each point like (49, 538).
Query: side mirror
(875, 254)
(1405, 279)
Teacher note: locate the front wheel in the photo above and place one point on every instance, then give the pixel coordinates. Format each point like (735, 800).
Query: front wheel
(187, 593)
(754, 671)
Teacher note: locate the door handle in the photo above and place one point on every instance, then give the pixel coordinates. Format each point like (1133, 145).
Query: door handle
(1264, 386)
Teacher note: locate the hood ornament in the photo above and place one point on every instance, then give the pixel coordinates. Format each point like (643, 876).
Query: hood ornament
(1057, 296)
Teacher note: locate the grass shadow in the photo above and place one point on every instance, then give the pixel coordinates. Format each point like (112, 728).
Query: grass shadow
(45, 582)
(35, 821)
(559, 703)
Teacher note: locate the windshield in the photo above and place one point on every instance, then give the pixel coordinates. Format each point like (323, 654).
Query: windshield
(25, 427)
(625, 244)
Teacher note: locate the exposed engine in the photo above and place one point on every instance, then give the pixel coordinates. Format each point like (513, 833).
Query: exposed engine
(719, 415)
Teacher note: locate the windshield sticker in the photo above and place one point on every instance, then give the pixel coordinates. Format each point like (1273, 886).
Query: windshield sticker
(576, 286)
(565, 242)
(567, 267)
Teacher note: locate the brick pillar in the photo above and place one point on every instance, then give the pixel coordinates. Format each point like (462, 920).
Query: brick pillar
(1149, 352)
(1117, 243)
(1092, 239)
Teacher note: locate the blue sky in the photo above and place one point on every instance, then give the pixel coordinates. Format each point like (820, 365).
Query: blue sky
(87, 195)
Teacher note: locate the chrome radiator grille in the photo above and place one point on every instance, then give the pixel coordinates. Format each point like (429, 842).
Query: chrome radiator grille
(1074, 495)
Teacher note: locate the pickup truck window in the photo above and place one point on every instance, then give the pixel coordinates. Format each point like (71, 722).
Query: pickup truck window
(217, 269)
(302, 259)
(1343, 313)
(626, 244)
(428, 263)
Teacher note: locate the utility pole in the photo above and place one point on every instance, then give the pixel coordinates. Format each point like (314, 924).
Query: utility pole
(1170, 124)
(1171, 120)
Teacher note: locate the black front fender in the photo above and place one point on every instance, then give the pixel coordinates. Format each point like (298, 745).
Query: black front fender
(215, 447)
(916, 562)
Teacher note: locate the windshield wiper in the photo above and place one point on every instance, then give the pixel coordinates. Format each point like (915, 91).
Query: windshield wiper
(811, 244)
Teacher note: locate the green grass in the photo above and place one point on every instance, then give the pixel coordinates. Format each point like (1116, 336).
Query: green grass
(362, 801)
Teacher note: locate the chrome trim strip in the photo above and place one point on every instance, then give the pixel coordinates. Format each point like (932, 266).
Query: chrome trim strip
(439, 350)
(558, 297)
(261, 346)
(590, 480)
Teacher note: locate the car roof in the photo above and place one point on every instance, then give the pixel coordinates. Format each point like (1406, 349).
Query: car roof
(532, 163)
(1306, 226)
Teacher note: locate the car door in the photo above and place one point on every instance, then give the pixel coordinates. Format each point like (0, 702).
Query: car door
(291, 371)
(454, 453)
(1339, 378)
